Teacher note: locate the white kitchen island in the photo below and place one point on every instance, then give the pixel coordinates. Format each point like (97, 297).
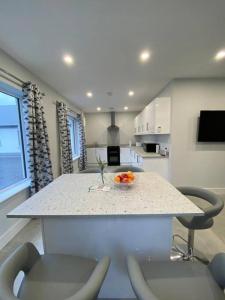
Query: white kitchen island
(114, 223)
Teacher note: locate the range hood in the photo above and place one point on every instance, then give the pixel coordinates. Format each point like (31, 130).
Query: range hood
(113, 122)
(113, 136)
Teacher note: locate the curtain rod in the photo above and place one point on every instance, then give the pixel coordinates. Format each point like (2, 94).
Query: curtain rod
(14, 78)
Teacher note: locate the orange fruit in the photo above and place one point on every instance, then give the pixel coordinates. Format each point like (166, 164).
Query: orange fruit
(117, 179)
(131, 176)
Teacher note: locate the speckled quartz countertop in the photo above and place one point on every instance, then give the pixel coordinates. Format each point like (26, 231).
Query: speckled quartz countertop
(68, 195)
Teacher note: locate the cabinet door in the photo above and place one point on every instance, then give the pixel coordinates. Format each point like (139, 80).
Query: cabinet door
(125, 156)
(162, 115)
(150, 118)
(136, 124)
(141, 121)
(102, 152)
(139, 161)
(133, 158)
(157, 165)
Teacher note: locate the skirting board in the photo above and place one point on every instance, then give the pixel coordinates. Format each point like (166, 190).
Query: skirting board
(12, 231)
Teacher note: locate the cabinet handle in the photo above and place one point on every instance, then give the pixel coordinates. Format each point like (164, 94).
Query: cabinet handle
(147, 126)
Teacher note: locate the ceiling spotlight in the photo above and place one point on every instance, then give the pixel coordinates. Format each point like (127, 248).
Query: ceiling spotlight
(125, 108)
(131, 93)
(98, 108)
(220, 55)
(89, 94)
(68, 59)
(144, 56)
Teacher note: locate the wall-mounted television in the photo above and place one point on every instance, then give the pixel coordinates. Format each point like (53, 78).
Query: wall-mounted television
(211, 126)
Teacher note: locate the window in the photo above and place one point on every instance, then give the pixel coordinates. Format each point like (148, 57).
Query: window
(12, 159)
(74, 136)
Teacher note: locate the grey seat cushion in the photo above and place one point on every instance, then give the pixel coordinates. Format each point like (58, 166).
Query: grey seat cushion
(56, 277)
(196, 223)
(181, 281)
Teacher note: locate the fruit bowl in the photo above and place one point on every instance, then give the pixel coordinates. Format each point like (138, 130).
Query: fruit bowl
(124, 179)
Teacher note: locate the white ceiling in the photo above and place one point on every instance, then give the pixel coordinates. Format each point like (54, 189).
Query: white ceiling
(105, 37)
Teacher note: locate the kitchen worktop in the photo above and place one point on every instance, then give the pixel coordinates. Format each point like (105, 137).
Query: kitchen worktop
(69, 195)
(139, 150)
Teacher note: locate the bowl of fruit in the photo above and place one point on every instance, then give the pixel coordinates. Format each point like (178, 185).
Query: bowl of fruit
(124, 179)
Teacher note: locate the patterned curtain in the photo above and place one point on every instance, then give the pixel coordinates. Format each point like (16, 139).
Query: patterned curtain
(83, 150)
(64, 138)
(39, 163)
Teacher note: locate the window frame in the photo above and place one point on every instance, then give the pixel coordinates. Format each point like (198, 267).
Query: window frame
(24, 183)
(76, 138)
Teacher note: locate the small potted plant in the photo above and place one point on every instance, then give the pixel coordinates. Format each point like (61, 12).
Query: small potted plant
(102, 164)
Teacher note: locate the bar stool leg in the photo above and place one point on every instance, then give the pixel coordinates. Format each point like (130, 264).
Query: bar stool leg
(191, 235)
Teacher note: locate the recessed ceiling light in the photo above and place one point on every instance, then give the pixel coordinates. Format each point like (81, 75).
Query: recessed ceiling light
(68, 59)
(125, 108)
(131, 93)
(98, 108)
(220, 55)
(89, 94)
(144, 56)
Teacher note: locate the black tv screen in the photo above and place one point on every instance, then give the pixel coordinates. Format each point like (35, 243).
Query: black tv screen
(211, 126)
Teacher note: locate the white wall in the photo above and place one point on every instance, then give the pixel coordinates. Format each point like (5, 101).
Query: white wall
(193, 163)
(15, 68)
(97, 123)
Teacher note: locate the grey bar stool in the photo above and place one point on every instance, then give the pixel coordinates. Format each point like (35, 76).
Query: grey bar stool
(128, 168)
(51, 276)
(193, 223)
(177, 280)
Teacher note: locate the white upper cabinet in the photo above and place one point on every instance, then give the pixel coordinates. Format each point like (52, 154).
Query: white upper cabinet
(155, 118)
(162, 115)
(136, 124)
(150, 118)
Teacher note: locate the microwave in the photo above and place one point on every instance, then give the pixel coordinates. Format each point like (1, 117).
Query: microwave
(151, 147)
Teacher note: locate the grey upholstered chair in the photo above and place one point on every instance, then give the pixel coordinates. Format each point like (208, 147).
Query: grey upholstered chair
(127, 168)
(51, 276)
(178, 280)
(193, 223)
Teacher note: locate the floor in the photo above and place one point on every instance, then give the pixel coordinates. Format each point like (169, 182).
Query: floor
(207, 242)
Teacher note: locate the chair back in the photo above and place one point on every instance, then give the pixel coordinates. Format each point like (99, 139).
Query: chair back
(91, 170)
(215, 201)
(128, 168)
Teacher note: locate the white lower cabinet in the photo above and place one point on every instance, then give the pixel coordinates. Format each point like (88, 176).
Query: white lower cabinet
(102, 153)
(157, 165)
(125, 156)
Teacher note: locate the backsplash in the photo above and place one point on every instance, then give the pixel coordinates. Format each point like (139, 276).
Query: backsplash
(163, 140)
